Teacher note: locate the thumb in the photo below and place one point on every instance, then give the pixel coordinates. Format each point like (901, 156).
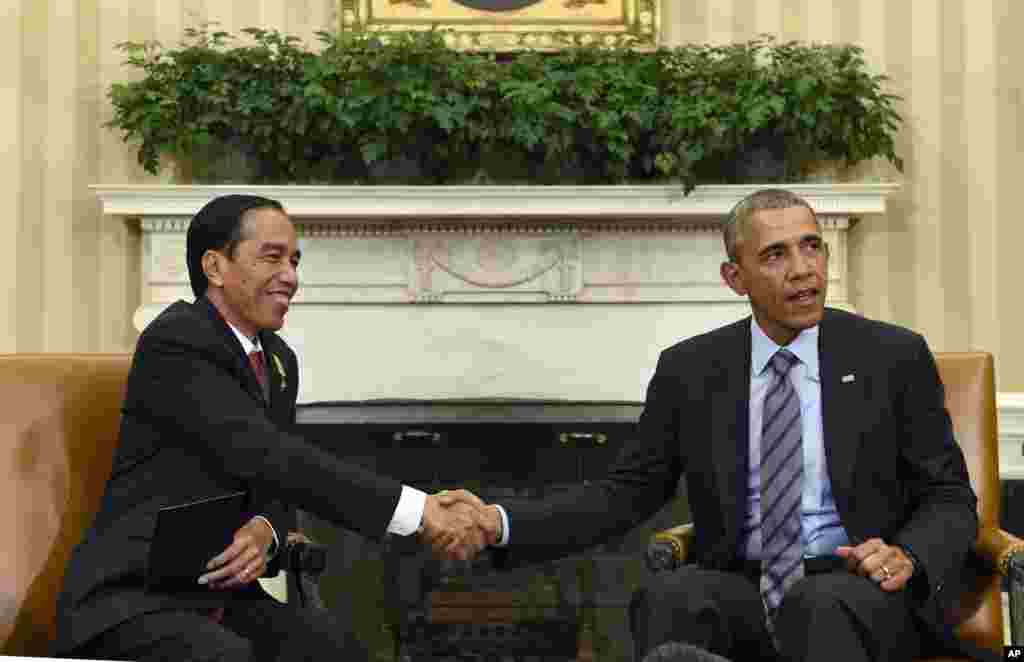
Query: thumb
(445, 498)
(467, 497)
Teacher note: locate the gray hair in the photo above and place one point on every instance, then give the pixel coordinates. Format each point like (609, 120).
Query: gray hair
(737, 223)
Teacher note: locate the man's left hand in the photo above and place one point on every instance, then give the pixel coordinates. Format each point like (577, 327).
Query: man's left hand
(245, 559)
(886, 565)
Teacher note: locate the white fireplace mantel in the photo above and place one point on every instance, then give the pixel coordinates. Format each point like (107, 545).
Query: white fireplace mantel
(384, 203)
(481, 291)
(491, 244)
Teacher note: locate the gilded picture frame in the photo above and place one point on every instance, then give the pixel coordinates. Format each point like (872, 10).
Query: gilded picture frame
(512, 24)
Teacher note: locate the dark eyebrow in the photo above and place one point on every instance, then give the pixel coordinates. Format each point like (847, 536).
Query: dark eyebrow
(271, 246)
(778, 245)
(782, 245)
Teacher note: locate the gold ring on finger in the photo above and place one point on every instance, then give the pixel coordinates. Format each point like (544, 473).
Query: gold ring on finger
(886, 573)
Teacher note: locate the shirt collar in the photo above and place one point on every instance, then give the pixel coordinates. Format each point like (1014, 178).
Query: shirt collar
(804, 347)
(248, 344)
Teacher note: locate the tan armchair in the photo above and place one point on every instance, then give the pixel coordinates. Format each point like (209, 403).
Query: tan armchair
(970, 397)
(58, 431)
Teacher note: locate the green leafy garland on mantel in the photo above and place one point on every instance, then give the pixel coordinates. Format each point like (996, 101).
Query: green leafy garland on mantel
(403, 107)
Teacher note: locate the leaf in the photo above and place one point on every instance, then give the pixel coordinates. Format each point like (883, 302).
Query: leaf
(373, 151)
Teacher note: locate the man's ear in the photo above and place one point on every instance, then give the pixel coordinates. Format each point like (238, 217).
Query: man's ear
(211, 267)
(733, 278)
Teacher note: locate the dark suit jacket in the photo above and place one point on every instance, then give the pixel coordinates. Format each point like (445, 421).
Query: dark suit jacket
(896, 471)
(195, 425)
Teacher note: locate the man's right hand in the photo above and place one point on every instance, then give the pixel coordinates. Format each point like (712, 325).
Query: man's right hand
(457, 524)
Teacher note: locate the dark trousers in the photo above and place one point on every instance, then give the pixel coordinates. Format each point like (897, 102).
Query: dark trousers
(259, 629)
(832, 615)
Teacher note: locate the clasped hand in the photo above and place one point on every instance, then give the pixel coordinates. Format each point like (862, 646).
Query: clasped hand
(457, 524)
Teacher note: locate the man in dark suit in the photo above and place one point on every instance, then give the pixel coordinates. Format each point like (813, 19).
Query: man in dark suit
(211, 392)
(831, 502)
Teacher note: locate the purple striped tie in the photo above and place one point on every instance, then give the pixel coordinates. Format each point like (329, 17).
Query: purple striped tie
(782, 473)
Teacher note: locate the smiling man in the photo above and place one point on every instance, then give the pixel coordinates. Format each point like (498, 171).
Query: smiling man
(831, 502)
(209, 400)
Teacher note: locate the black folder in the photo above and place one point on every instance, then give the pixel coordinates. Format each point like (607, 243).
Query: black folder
(187, 536)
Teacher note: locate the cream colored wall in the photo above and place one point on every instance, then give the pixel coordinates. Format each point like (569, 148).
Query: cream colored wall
(941, 262)
(70, 277)
(945, 259)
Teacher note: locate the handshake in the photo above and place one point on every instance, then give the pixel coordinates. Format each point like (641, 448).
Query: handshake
(457, 524)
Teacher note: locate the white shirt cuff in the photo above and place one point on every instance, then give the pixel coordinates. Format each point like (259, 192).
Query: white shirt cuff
(409, 512)
(277, 542)
(504, 526)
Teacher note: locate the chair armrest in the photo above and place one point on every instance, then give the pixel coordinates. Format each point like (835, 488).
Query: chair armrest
(997, 547)
(670, 548)
(1005, 553)
(304, 556)
(304, 582)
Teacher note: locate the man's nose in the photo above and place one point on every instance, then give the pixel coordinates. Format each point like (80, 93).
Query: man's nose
(802, 265)
(289, 274)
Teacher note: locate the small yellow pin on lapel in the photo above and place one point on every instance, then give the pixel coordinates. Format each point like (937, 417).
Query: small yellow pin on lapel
(280, 371)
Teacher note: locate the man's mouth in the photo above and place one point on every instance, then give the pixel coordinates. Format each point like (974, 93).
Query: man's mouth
(805, 296)
(283, 298)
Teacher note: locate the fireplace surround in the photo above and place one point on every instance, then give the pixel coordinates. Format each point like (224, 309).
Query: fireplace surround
(560, 292)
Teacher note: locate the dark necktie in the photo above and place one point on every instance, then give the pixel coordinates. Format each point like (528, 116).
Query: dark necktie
(782, 472)
(256, 361)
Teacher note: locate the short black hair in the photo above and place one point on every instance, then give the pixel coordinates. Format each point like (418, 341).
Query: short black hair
(734, 226)
(218, 226)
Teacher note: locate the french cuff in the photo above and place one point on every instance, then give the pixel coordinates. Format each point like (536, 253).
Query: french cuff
(503, 541)
(409, 512)
(276, 545)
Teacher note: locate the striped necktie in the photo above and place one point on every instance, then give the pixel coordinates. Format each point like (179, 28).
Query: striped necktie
(782, 472)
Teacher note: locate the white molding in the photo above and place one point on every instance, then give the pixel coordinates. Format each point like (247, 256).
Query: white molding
(1011, 435)
(489, 291)
(562, 203)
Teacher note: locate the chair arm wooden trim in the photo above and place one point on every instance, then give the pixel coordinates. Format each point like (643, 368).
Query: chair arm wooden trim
(679, 539)
(997, 547)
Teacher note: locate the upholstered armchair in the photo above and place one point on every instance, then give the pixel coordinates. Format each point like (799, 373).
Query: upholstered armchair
(58, 431)
(970, 397)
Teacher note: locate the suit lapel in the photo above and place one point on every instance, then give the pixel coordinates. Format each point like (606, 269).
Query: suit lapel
(730, 423)
(842, 399)
(243, 369)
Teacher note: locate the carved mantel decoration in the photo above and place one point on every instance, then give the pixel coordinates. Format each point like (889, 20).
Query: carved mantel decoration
(511, 24)
(393, 245)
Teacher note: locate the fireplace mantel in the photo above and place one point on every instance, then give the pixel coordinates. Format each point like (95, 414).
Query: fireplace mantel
(489, 291)
(491, 244)
(362, 204)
